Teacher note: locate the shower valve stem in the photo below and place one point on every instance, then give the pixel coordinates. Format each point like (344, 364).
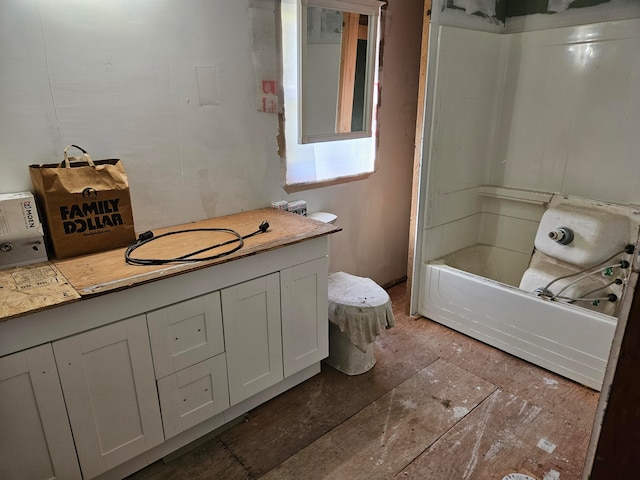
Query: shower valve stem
(563, 235)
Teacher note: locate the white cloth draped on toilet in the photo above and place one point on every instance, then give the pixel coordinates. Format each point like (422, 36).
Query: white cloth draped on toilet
(359, 307)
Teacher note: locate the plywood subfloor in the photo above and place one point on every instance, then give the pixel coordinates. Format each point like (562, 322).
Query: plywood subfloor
(33, 288)
(437, 405)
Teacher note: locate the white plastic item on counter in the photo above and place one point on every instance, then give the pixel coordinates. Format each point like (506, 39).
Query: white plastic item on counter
(324, 217)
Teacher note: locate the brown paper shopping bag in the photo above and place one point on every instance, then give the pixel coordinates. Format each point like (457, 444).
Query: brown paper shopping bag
(85, 204)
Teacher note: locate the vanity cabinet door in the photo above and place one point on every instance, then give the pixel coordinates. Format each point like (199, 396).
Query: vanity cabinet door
(305, 324)
(253, 338)
(35, 438)
(109, 386)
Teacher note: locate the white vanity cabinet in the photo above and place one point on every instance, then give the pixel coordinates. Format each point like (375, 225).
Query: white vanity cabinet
(193, 395)
(275, 326)
(35, 438)
(216, 350)
(109, 388)
(151, 359)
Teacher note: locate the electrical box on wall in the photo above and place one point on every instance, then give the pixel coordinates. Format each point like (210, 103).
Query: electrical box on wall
(21, 233)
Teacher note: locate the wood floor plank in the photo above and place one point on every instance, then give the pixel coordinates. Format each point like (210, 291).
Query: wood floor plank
(288, 423)
(381, 439)
(419, 334)
(482, 360)
(554, 393)
(505, 434)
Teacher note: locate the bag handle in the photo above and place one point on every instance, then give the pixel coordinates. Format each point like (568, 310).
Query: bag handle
(85, 157)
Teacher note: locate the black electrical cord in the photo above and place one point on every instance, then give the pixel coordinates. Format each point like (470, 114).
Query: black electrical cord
(147, 237)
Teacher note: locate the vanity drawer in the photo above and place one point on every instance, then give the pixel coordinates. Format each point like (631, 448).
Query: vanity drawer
(193, 395)
(185, 333)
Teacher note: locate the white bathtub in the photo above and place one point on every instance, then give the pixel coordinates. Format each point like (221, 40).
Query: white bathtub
(484, 254)
(571, 341)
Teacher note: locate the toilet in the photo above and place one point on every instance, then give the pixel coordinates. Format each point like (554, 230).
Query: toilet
(359, 309)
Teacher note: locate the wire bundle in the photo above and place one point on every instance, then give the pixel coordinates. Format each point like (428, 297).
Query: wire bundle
(146, 237)
(587, 272)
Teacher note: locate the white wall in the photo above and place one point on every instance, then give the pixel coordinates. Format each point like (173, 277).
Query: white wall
(170, 88)
(470, 67)
(571, 110)
(120, 79)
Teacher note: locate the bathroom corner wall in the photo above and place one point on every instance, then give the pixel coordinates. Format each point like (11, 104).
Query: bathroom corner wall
(570, 111)
(470, 70)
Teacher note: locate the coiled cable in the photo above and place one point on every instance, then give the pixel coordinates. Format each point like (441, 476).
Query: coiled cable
(146, 237)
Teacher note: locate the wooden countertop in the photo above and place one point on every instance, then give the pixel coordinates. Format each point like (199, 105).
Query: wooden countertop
(37, 287)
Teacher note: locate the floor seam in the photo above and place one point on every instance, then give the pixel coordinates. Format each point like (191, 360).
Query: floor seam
(352, 415)
(434, 442)
(236, 458)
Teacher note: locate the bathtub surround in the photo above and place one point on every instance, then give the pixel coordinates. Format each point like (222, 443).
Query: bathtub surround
(537, 111)
(514, 118)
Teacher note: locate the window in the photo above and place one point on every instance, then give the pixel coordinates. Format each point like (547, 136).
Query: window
(322, 161)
